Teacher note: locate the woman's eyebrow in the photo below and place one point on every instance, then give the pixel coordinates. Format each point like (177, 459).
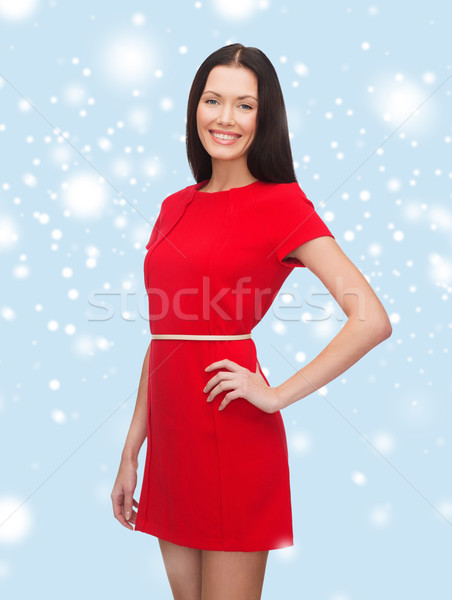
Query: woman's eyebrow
(238, 97)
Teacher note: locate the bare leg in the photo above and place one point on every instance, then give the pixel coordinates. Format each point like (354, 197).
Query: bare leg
(183, 568)
(233, 575)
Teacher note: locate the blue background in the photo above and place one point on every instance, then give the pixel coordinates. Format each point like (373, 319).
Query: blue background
(98, 91)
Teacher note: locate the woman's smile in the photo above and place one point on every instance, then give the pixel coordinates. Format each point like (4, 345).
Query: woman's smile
(223, 138)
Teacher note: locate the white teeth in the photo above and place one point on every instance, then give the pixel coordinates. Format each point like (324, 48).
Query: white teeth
(223, 136)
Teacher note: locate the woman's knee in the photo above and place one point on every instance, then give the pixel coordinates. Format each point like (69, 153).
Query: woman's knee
(238, 575)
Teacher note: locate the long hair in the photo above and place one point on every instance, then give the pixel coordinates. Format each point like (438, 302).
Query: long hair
(270, 155)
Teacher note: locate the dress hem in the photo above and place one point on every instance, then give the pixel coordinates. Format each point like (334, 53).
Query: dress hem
(261, 545)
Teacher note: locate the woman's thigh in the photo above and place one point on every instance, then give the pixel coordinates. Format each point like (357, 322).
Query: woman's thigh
(233, 575)
(183, 568)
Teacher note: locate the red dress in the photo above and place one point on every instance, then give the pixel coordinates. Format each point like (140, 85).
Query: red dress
(217, 480)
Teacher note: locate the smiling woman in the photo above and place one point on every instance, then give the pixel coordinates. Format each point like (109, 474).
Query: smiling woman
(226, 125)
(236, 91)
(216, 485)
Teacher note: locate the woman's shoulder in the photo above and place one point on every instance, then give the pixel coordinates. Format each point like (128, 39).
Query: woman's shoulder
(273, 187)
(279, 194)
(179, 195)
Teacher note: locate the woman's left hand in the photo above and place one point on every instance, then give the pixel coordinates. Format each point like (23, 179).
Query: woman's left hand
(243, 383)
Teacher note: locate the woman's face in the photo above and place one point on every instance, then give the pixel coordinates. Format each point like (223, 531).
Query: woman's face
(228, 105)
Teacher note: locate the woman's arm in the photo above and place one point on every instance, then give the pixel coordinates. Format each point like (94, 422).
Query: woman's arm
(138, 429)
(126, 480)
(366, 327)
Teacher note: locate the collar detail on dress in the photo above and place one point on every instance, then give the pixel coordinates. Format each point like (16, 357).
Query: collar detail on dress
(172, 210)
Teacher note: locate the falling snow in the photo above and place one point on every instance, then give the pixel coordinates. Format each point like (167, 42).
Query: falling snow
(92, 131)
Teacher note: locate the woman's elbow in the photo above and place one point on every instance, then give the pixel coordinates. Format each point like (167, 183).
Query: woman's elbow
(382, 329)
(377, 330)
(386, 330)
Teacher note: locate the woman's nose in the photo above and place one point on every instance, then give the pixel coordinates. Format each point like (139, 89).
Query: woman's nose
(225, 115)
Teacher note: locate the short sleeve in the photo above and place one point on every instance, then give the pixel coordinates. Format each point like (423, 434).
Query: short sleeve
(295, 222)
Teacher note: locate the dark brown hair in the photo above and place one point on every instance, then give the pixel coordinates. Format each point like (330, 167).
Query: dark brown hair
(270, 155)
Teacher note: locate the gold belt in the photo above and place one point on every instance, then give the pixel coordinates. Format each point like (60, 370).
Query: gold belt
(176, 336)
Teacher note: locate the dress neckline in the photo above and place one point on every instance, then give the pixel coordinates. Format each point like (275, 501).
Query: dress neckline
(206, 181)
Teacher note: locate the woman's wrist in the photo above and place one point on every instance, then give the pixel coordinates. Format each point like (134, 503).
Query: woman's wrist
(292, 390)
(130, 456)
(279, 398)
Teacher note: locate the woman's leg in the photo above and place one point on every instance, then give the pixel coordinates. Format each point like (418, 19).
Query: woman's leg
(233, 575)
(183, 568)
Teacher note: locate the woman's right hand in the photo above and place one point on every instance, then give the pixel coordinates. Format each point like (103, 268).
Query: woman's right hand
(122, 493)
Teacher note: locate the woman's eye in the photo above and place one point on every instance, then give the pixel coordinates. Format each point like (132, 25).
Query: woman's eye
(246, 105)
